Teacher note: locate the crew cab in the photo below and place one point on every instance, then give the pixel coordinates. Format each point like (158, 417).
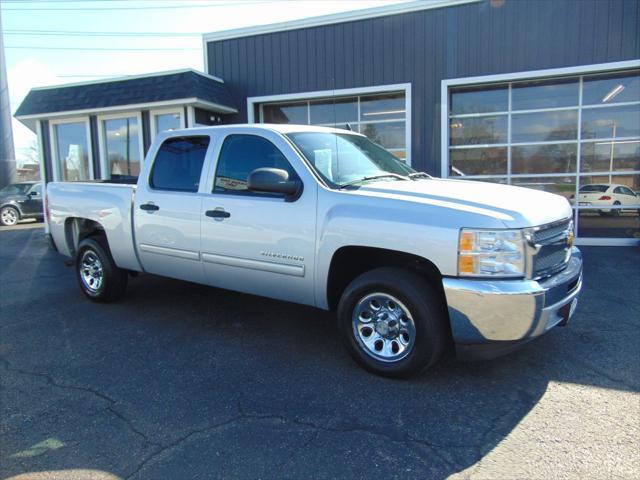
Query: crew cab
(411, 264)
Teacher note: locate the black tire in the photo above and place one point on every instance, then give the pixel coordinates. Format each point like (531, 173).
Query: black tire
(113, 279)
(12, 212)
(615, 212)
(425, 306)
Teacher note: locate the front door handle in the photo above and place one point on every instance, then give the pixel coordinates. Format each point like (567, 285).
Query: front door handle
(217, 213)
(149, 207)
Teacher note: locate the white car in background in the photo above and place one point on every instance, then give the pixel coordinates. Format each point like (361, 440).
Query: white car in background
(609, 195)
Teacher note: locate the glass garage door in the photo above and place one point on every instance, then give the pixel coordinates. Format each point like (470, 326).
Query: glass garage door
(575, 136)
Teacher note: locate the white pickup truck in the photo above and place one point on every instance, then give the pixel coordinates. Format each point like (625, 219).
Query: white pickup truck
(411, 264)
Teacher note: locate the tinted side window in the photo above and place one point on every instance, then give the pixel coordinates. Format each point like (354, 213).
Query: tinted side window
(617, 190)
(178, 164)
(240, 155)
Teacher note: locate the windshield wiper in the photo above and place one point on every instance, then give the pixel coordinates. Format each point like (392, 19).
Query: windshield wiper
(418, 175)
(373, 177)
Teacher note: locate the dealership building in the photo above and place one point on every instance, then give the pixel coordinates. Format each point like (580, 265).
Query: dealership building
(539, 93)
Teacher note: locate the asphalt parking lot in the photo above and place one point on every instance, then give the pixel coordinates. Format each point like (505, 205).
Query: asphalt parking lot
(181, 381)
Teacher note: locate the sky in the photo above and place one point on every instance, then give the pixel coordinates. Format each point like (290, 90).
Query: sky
(50, 42)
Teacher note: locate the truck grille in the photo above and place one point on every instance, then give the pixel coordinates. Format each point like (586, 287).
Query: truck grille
(553, 248)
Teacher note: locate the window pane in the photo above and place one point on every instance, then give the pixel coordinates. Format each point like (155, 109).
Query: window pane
(286, 113)
(338, 111)
(610, 155)
(73, 151)
(481, 130)
(167, 121)
(389, 135)
(544, 158)
(241, 155)
(544, 126)
(545, 94)
(609, 190)
(122, 143)
(614, 122)
(382, 107)
(619, 87)
(480, 99)
(607, 223)
(565, 186)
(178, 164)
(479, 161)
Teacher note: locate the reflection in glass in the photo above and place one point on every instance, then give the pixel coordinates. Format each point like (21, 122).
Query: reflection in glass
(616, 191)
(565, 186)
(167, 121)
(72, 151)
(122, 145)
(614, 122)
(611, 88)
(610, 155)
(479, 130)
(482, 99)
(600, 223)
(295, 113)
(334, 111)
(382, 107)
(559, 158)
(545, 94)
(544, 126)
(389, 135)
(478, 161)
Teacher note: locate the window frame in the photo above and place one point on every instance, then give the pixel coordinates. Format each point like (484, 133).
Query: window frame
(548, 74)
(203, 171)
(164, 111)
(253, 102)
(102, 141)
(246, 193)
(53, 135)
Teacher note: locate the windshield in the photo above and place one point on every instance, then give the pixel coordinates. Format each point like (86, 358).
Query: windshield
(16, 189)
(594, 188)
(341, 158)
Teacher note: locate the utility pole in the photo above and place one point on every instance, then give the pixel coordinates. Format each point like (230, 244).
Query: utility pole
(7, 152)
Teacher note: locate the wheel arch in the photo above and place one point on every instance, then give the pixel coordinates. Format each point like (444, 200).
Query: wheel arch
(77, 229)
(14, 204)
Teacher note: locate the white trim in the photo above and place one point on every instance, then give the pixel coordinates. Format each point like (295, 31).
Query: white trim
(607, 242)
(102, 144)
(154, 113)
(341, 17)
(124, 108)
(41, 166)
(191, 116)
(345, 92)
(53, 138)
(130, 77)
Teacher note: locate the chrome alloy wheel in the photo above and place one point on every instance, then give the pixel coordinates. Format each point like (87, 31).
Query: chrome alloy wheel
(91, 272)
(9, 216)
(383, 327)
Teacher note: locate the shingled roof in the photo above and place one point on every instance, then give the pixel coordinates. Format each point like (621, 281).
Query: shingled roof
(159, 87)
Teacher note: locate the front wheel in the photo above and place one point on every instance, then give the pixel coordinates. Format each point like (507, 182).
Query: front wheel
(98, 276)
(393, 322)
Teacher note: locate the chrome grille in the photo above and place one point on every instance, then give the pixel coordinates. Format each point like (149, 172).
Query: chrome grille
(552, 248)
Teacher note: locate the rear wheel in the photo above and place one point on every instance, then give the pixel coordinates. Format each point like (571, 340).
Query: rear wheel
(615, 211)
(98, 276)
(9, 216)
(393, 322)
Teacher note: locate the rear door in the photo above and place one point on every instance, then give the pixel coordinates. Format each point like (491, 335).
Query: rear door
(257, 242)
(167, 209)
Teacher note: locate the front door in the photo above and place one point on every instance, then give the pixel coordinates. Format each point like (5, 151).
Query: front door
(167, 210)
(255, 242)
(33, 204)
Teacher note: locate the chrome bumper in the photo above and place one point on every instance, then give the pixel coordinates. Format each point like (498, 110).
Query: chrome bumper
(491, 317)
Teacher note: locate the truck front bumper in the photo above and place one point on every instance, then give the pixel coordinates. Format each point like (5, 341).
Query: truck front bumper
(493, 317)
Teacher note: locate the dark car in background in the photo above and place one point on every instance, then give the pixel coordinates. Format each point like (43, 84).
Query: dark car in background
(19, 201)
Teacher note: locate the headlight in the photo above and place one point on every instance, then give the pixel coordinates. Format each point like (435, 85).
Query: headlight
(491, 253)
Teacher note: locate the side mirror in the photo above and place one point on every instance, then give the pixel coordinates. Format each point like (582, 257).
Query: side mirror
(32, 194)
(274, 180)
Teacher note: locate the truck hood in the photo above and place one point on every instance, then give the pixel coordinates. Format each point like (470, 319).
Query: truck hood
(515, 207)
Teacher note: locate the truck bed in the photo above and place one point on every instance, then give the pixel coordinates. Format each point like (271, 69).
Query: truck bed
(108, 203)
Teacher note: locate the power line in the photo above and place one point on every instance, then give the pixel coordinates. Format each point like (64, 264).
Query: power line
(36, 47)
(152, 7)
(70, 33)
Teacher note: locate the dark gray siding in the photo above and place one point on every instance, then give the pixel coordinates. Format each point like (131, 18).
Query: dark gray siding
(426, 47)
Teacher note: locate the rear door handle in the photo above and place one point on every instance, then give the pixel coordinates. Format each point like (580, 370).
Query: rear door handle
(217, 213)
(149, 207)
